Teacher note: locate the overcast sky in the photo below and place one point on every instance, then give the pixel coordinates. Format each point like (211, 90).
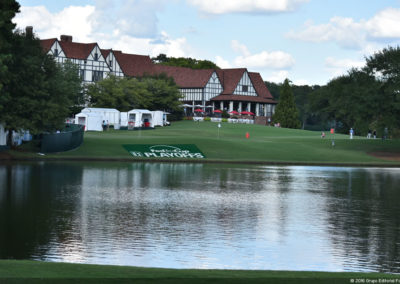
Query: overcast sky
(307, 41)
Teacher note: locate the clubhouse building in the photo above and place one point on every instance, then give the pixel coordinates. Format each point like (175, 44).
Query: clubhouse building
(208, 89)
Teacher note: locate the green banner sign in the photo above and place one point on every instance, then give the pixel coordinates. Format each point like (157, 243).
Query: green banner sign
(189, 151)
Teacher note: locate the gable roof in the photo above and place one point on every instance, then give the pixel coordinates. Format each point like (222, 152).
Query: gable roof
(260, 86)
(185, 77)
(47, 44)
(77, 50)
(230, 79)
(105, 52)
(134, 65)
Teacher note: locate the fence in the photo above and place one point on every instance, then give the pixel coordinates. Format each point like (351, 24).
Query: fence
(69, 138)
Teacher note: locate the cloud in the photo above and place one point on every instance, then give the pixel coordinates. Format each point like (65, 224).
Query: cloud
(82, 23)
(137, 18)
(339, 67)
(74, 20)
(349, 33)
(222, 63)
(245, 6)
(277, 77)
(262, 60)
(385, 24)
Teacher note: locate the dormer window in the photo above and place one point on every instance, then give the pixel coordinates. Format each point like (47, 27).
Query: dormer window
(96, 57)
(245, 88)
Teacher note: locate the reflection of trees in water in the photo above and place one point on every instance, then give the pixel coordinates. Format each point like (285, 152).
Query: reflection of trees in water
(174, 202)
(31, 208)
(366, 227)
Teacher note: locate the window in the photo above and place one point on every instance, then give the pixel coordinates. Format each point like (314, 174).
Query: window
(96, 57)
(97, 76)
(56, 52)
(245, 88)
(82, 74)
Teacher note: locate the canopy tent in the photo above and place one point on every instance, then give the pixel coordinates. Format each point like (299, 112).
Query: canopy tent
(234, 112)
(110, 115)
(160, 118)
(217, 111)
(138, 118)
(247, 113)
(91, 121)
(3, 136)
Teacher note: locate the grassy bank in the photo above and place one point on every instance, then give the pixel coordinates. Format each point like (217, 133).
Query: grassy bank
(12, 271)
(265, 144)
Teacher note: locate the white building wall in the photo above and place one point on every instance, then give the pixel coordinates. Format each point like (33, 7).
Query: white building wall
(213, 87)
(245, 87)
(195, 94)
(90, 69)
(112, 62)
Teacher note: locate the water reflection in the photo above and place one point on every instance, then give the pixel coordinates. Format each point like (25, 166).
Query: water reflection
(202, 215)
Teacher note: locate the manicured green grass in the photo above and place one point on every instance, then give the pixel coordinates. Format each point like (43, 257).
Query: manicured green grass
(14, 271)
(265, 144)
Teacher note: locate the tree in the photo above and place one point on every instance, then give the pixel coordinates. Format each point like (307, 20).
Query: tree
(40, 93)
(350, 100)
(286, 112)
(184, 62)
(385, 67)
(274, 89)
(8, 9)
(152, 92)
(123, 94)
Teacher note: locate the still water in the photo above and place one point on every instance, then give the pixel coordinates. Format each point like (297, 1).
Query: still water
(202, 215)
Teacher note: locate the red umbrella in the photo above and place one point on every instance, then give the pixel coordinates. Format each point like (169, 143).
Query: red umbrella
(217, 111)
(198, 110)
(233, 112)
(247, 112)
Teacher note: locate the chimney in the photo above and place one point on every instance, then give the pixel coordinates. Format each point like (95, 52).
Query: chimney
(66, 38)
(29, 31)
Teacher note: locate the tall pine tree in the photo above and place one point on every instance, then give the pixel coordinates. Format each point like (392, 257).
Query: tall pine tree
(286, 112)
(8, 9)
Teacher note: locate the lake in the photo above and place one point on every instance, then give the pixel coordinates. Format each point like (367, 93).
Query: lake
(221, 216)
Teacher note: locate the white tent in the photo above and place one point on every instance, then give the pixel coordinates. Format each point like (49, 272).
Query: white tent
(3, 136)
(108, 114)
(140, 118)
(123, 119)
(92, 121)
(160, 118)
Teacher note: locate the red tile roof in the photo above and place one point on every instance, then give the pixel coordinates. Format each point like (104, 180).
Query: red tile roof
(255, 99)
(185, 77)
(47, 44)
(260, 86)
(77, 50)
(134, 65)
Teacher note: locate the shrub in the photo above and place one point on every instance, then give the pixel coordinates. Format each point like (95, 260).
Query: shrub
(207, 118)
(224, 120)
(225, 114)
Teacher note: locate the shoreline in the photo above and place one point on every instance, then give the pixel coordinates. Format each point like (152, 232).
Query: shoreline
(24, 271)
(11, 158)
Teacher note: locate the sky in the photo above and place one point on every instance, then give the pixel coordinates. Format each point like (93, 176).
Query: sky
(307, 41)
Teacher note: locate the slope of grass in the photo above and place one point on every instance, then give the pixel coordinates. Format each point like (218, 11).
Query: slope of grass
(265, 144)
(22, 271)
